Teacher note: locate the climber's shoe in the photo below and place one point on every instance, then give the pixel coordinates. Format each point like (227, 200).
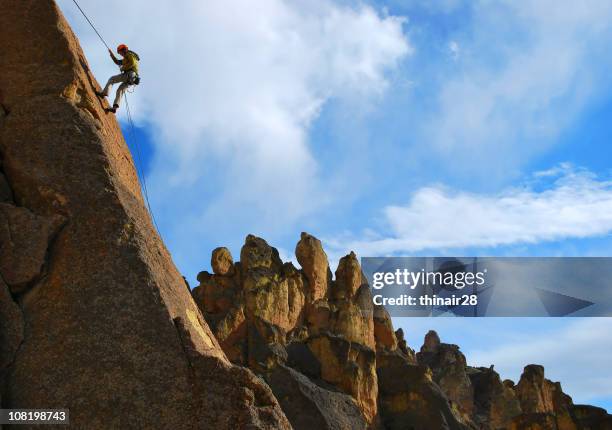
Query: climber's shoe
(101, 94)
(113, 109)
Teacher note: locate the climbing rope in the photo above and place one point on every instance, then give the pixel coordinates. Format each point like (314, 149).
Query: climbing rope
(90, 23)
(139, 162)
(139, 168)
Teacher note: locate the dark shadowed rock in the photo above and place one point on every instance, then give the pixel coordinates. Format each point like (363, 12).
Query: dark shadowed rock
(534, 421)
(309, 406)
(403, 347)
(495, 402)
(591, 417)
(11, 328)
(24, 240)
(431, 343)
(448, 366)
(6, 195)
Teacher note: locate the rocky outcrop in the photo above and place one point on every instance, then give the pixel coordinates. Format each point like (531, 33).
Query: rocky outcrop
(495, 403)
(267, 314)
(409, 398)
(334, 361)
(591, 417)
(310, 406)
(309, 253)
(543, 400)
(95, 316)
(449, 371)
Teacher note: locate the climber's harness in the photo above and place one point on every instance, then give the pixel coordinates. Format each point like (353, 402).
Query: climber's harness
(132, 77)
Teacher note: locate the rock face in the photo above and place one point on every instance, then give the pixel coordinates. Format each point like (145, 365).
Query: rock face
(95, 316)
(334, 361)
(448, 366)
(268, 315)
(495, 403)
(543, 400)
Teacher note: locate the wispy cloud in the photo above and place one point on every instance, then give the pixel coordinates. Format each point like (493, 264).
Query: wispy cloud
(230, 90)
(526, 71)
(573, 203)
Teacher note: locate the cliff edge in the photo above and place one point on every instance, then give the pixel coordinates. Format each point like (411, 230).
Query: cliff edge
(96, 317)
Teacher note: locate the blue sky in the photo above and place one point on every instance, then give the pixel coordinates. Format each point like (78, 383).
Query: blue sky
(387, 127)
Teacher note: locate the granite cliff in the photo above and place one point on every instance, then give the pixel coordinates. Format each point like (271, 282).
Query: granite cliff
(95, 317)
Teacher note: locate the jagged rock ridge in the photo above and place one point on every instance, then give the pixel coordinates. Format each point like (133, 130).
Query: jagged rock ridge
(334, 361)
(95, 316)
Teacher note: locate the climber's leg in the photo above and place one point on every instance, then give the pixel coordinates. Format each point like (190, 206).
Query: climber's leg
(120, 91)
(111, 81)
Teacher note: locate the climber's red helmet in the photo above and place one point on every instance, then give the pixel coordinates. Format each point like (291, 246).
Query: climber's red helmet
(121, 49)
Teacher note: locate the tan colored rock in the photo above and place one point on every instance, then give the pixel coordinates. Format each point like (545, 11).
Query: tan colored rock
(318, 316)
(383, 329)
(253, 307)
(350, 367)
(538, 395)
(257, 254)
(111, 332)
(354, 318)
(349, 277)
(449, 369)
(232, 333)
(24, 240)
(276, 299)
(534, 392)
(218, 294)
(221, 261)
(312, 258)
(408, 397)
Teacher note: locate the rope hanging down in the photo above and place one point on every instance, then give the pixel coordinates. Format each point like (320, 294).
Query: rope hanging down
(139, 162)
(139, 169)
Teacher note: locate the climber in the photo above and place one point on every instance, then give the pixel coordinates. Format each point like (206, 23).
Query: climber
(128, 76)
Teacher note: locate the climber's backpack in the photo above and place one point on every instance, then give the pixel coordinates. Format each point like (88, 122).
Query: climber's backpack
(136, 80)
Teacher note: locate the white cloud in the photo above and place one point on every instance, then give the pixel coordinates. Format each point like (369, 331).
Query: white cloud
(454, 49)
(576, 205)
(231, 89)
(526, 72)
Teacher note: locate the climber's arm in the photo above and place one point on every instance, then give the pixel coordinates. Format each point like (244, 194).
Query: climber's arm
(115, 59)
